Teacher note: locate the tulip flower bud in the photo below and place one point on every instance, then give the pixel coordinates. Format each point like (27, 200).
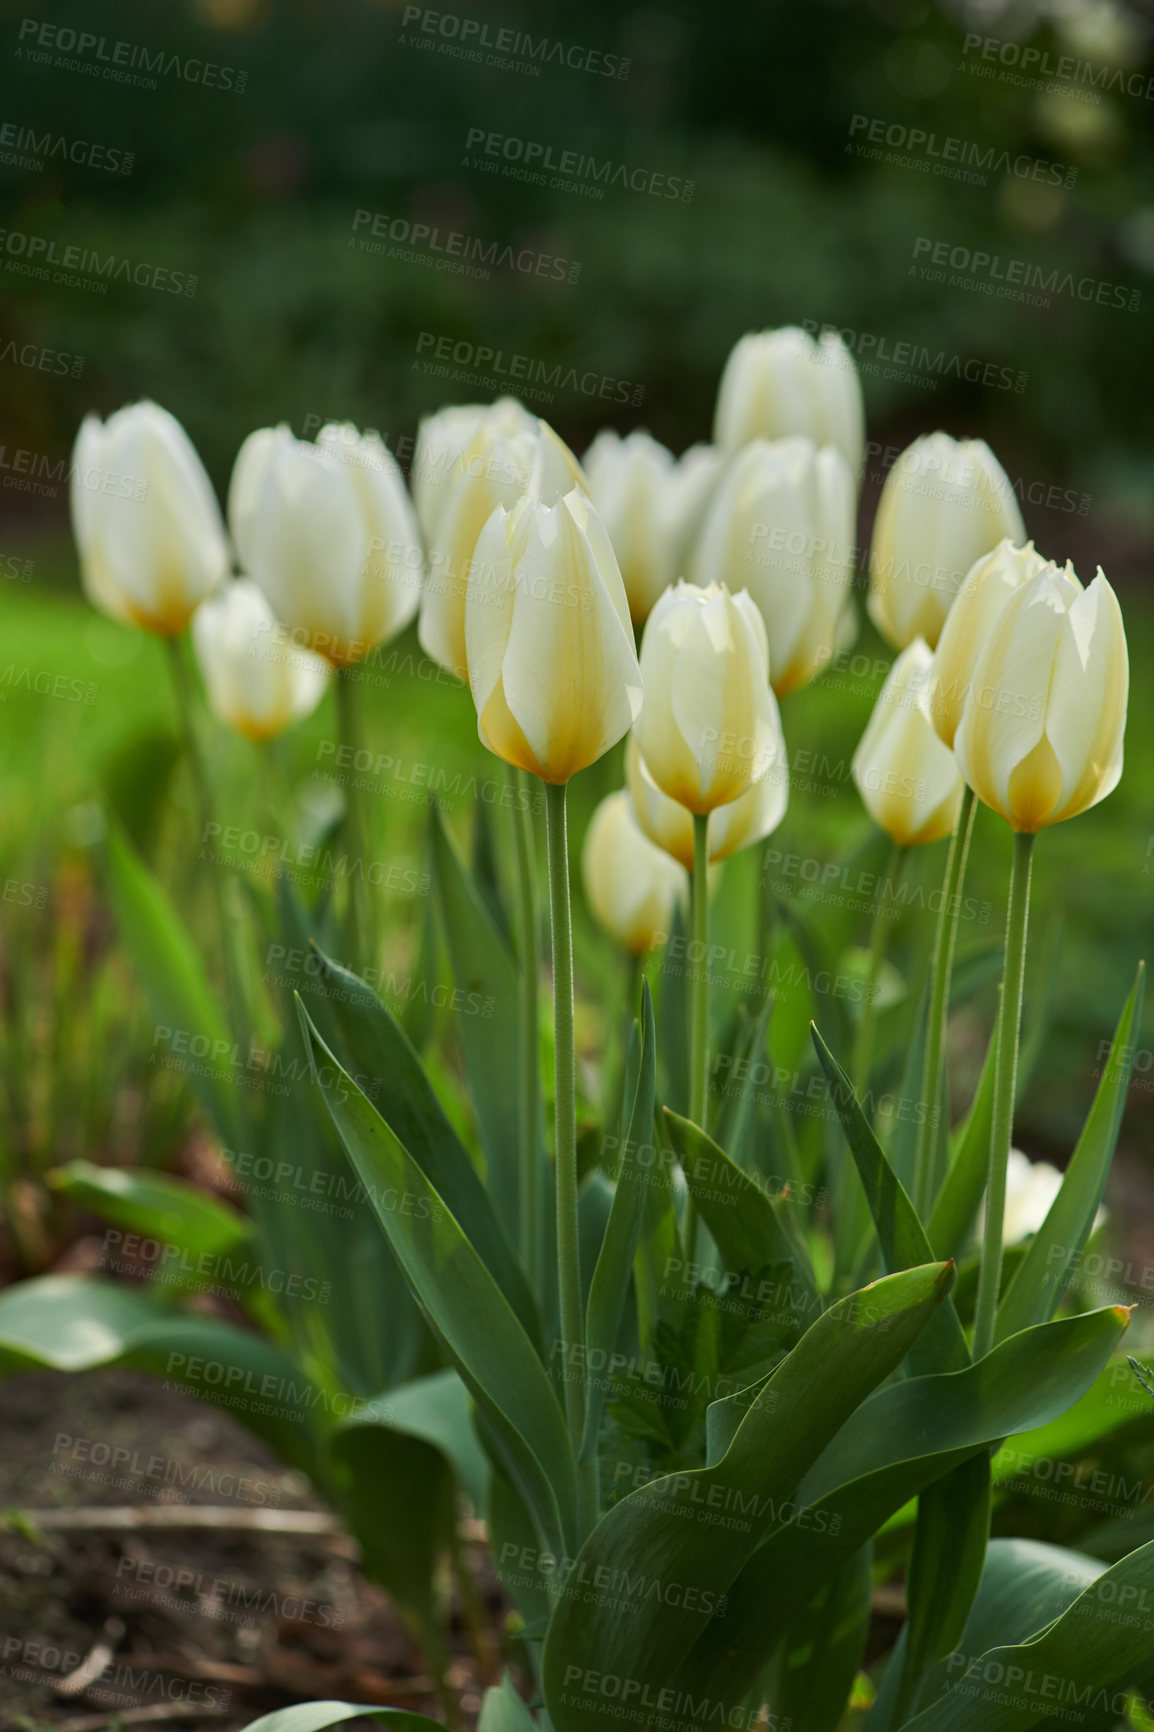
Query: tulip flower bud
(748, 819)
(329, 534)
(695, 479)
(907, 779)
(469, 461)
(1040, 737)
(549, 644)
(630, 884)
(148, 528)
(781, 524)
(1031, 1187)
(651, 506)
(778, 383)
(945, 503)
(709, 729)
(255, 684)
(969, 622)
(629, 484)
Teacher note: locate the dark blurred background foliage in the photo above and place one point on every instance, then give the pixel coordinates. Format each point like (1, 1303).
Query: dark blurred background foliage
(255, 194)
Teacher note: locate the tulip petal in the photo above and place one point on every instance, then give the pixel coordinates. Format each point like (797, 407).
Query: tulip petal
(570, 673)
(1086, 717)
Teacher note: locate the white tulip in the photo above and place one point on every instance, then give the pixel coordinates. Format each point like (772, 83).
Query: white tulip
(990, 584)
(1041, 734)
(330, 535)
(1031, 1187)
(778, 383)
(652, 505)
(255, 683)
(694, 481)
(781, 524)
(631, 885)
(149, 531)
(709, 728)
(748, 819)
(946, 502)
(470, 460)
(908, 781)
(549, 642)
(629, 484)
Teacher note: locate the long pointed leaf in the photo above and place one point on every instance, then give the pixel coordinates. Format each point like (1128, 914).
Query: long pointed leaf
(614, 1267)
(458, 1295)
(1040, 1279)
(658, 1533)
(901, 1235)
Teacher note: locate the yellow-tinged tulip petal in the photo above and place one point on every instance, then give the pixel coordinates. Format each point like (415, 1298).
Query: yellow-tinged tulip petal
(631, 885)
(470, 460)
(709, 728)
(945, 503)
(148, 528)
(550, 652)
(255, 683)
(752, 817)
(778, 383)
(908, 780)
(987, 588)
(1041, 734)
(781, 524)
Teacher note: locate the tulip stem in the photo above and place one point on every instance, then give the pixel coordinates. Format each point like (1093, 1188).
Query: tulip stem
(699, 1005)
(1005, 1086)
(238, 1021)
(942, 968)
(863, 1046)
(359, 940)
(530, 1188)
(565, 1116)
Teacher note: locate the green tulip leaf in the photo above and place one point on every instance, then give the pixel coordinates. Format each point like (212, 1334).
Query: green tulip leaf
(657, 1535)
(483, 965)
(504, 1710)
(746, 1223)
(613, 1271)
(899, 1441)
(380, 1049)
(1040, 1279)
(1073, 1668)
(316, 1716)
(155, 1206)
(964, 1185)
(903, 1239)
(463, 1304)
(169, 964)
(66, 1323)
